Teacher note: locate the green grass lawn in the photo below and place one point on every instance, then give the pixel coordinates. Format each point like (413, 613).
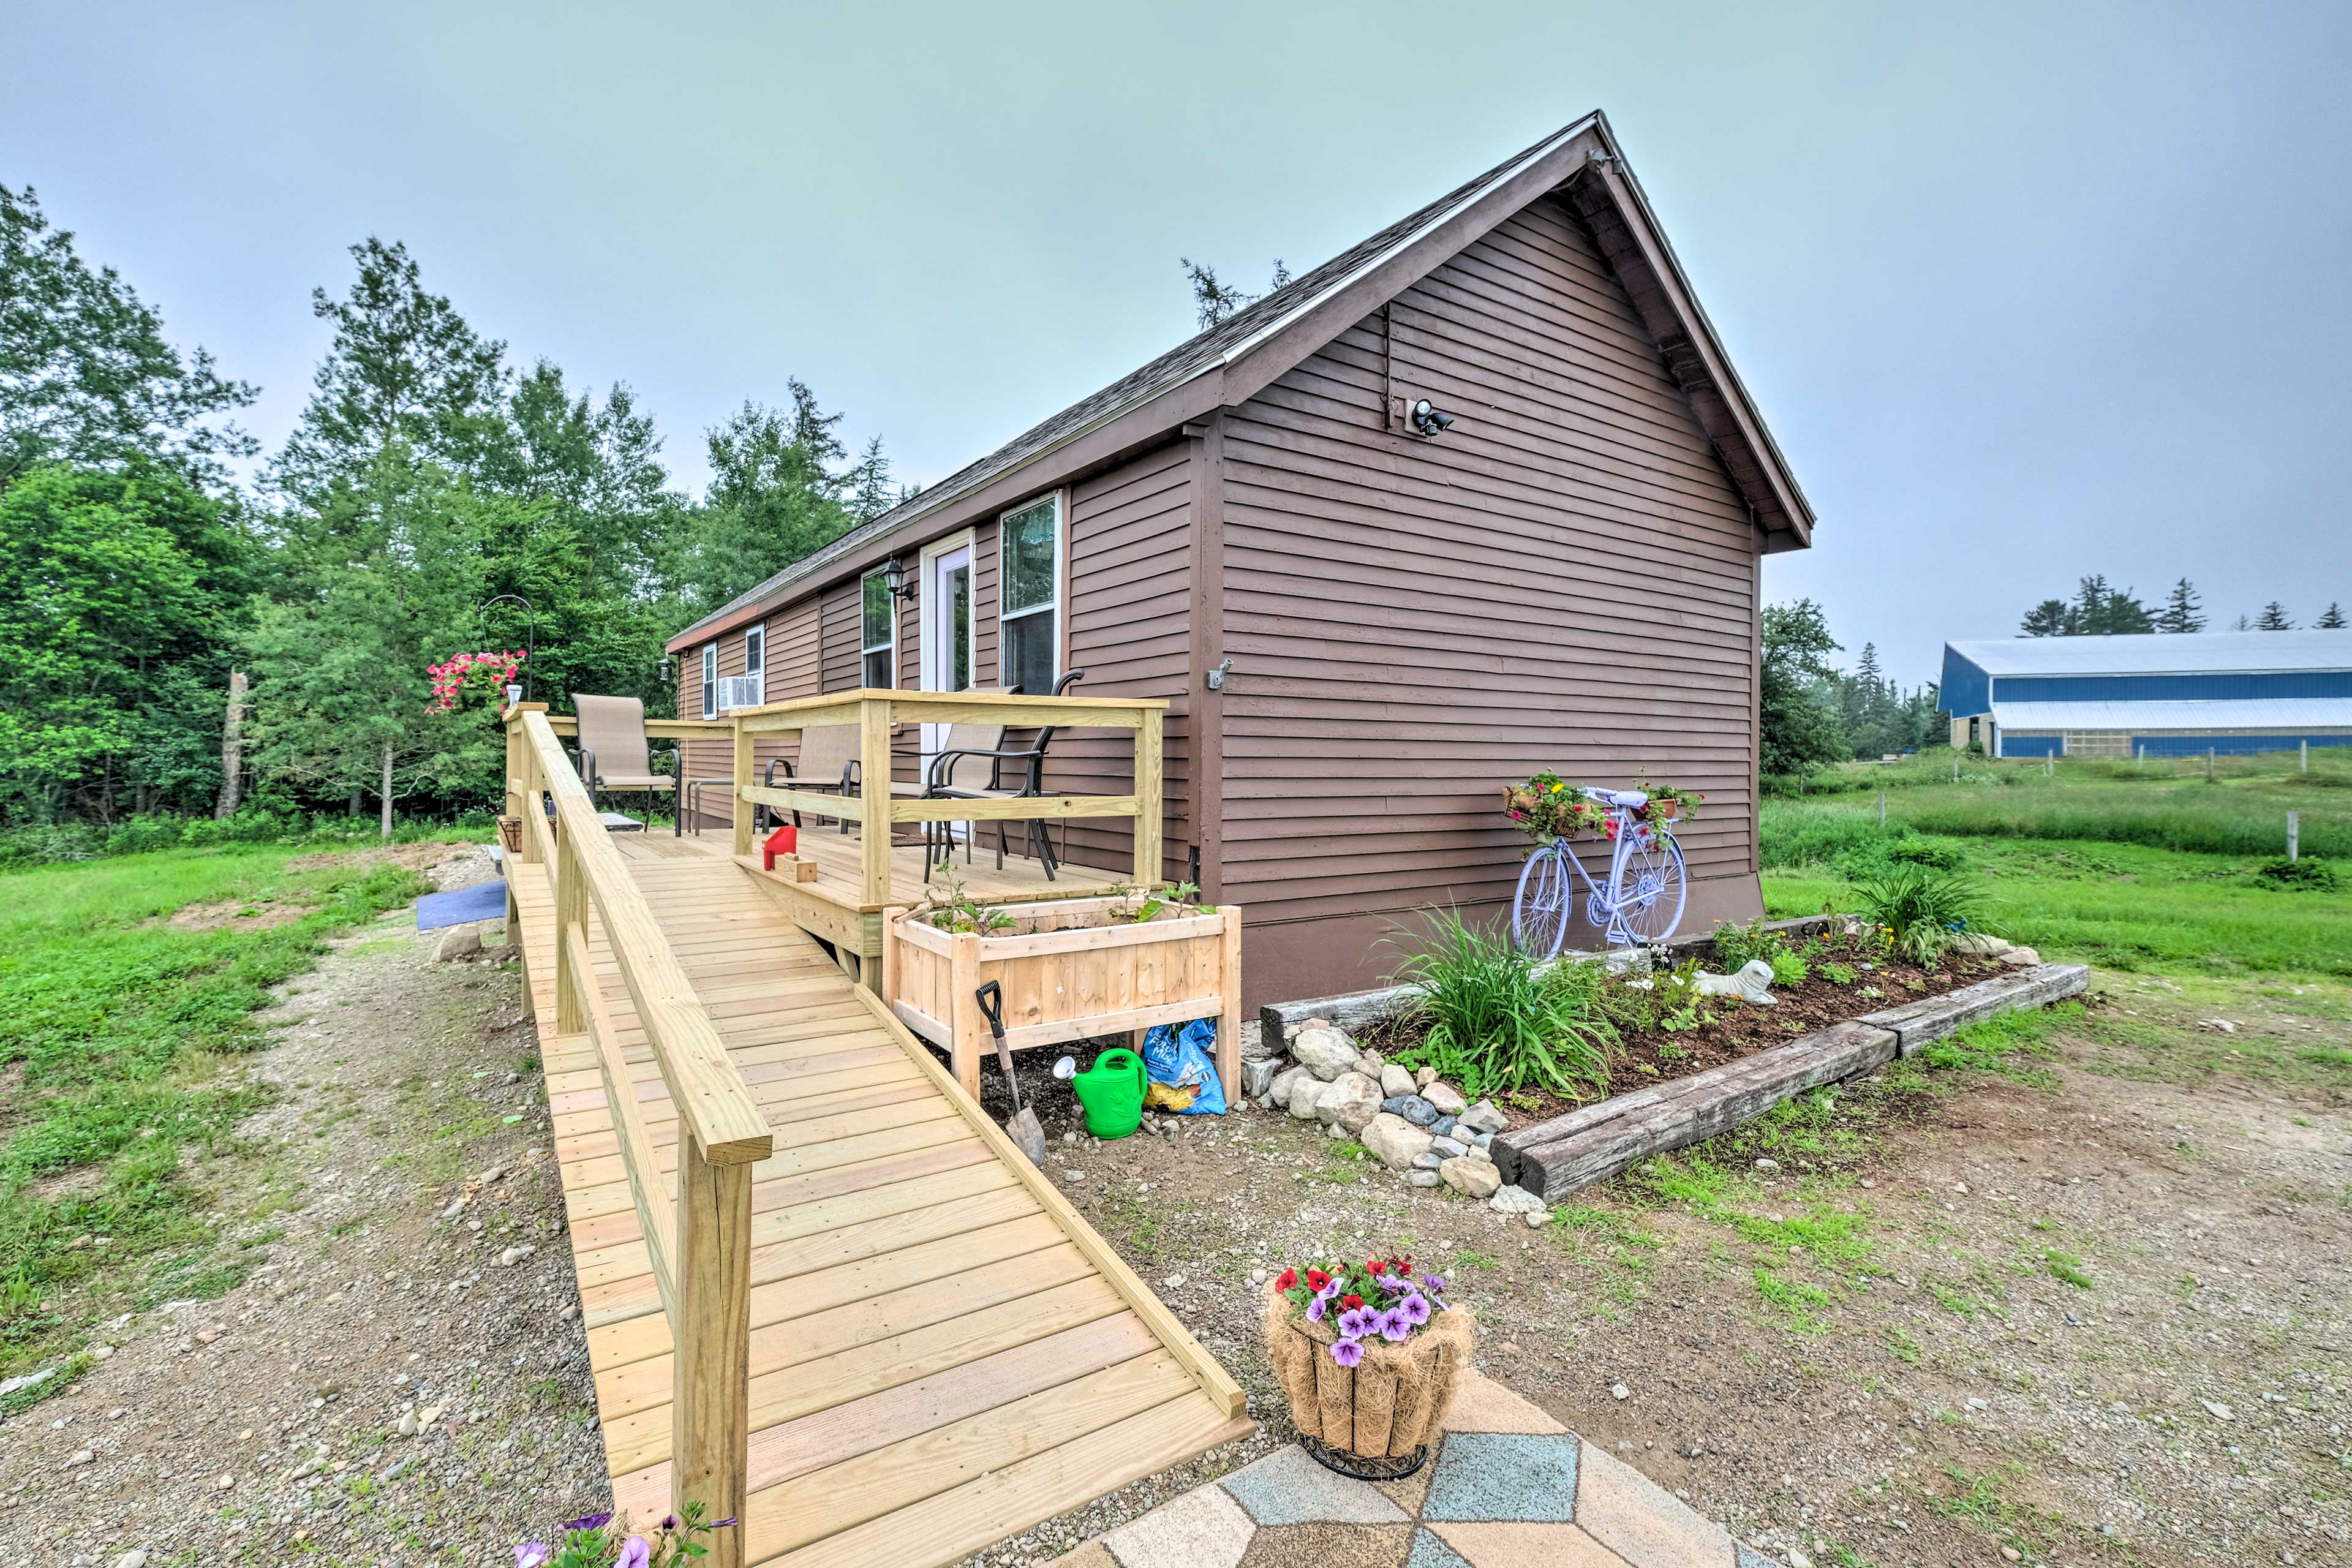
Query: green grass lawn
(115, 1025)
(2132, 869)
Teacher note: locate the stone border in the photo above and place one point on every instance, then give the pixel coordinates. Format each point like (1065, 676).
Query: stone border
(1552, 1159)
(1278, 1021)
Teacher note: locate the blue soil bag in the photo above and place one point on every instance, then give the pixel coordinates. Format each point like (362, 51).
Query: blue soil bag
(1188, 1060)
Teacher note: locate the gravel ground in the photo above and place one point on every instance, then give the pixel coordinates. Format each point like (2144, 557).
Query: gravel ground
(266, 1422)
(1920, 1386)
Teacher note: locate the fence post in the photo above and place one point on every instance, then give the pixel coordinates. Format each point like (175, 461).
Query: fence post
(2050, 765)
(710, 1396)
(741, 809)
(876, 798)
(2306, 756)
(2209, 764)
(2291, 837)
(1148, 808)
(1882, 808)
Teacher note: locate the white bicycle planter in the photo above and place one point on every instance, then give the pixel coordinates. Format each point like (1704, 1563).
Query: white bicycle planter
(1642, 903)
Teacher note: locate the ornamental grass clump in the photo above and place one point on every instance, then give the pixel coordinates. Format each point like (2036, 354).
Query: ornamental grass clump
(1919, 909)
(1495, 1021)
(1379, 1299)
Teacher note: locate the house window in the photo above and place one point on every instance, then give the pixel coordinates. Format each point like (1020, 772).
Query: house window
(881, 641)
(755, 662)
(711, 680)
(1029, 548)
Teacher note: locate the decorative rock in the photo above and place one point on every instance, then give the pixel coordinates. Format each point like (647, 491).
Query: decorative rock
(1979, 944)
(1477, 1178)
(1447, 1147)
(1426, 1075)
(1484, 1118)
(1280, 1088)
(1445, 1096)
(1482, 1140)
(2021, 958)
(1348, 1101)
(1445, 1125)
(1337, 1134)
(1396, 1082)
(1323, 1052)
(456, 942)
(514, 1255)
(1514, 1200)
(1429, 1161)
(1394, 1142)
(1370, 1063)
(1480, 1153)
(1753, 982)
(1305, 1091)
(1412, 1108)
(1257, 1077)
(1422, 1178)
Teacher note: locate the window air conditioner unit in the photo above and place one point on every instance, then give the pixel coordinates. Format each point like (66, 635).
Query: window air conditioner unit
(742, 691)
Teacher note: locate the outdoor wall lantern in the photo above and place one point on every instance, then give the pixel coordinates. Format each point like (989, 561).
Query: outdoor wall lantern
(895, 578)
(1428, 418)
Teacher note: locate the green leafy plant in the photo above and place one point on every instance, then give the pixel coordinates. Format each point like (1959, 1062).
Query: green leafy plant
(1495, 1021)
(1840, 973)
(1919, 909)
(950, 906)
(599, 1540)
(1790, 968)
(2308, 875)
(1737, 946)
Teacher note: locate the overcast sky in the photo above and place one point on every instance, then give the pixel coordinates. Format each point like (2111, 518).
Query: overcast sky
(2023, 292)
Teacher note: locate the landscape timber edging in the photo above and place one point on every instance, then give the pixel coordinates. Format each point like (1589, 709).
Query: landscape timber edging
(1552, 1159)
(1278, 1021)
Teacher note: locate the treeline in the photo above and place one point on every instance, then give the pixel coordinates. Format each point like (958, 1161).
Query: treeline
(2099, 610)
(436, 498)
(1814, 713)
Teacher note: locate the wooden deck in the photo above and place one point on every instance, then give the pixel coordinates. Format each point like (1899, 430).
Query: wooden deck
(942, 1353)
(834, 906)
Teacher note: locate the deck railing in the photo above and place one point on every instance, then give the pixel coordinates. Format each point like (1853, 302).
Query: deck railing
(700, 1249)
(874, 712)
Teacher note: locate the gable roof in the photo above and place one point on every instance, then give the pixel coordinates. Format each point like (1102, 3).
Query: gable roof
(1276, 331)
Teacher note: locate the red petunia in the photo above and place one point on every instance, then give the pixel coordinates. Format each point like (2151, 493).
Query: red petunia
(1289, 1277)
(1317, 1279)
(1377, 1266)
(1351, 1302)
(1405, 1269)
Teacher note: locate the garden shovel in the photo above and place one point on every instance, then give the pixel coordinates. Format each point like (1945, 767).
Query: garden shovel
(1022, 1126)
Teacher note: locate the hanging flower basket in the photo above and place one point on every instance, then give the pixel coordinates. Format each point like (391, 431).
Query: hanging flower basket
(1368, 1355)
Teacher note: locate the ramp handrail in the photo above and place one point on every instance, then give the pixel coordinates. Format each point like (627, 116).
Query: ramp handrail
(701, 1251)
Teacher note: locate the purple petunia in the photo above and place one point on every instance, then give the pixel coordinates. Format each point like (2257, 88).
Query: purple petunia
(1434, 1283)
(1395, 1325)
(533, 1555)
(590, 1520)
(1415, 1309)
(635, 1552)
(1359, 1322)
(1315, 1305)
(1346, 1352)
(1332, 1287)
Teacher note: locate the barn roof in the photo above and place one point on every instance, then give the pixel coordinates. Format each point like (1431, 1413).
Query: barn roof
(2161, 653)
(1606, 195)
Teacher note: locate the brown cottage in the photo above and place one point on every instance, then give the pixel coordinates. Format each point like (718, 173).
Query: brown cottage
(1567, 577)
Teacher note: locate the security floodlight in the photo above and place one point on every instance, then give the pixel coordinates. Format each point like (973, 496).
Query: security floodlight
(1429, 419)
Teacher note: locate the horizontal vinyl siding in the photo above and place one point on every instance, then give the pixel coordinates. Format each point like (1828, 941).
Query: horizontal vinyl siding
(792, 669)
(1127, 622)
(1564, 579)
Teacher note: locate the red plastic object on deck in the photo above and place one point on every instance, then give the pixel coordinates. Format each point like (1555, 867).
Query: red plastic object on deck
(784, 840)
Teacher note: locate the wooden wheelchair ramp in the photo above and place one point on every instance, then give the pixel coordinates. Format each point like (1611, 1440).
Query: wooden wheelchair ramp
(942, 1351)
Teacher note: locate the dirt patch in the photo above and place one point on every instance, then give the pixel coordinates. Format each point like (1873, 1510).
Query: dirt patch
(251, 1399)
(423, 857)
(236, 914)
(2093, 1317)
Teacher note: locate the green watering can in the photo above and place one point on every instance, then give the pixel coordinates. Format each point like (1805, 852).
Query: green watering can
(1112, 1092)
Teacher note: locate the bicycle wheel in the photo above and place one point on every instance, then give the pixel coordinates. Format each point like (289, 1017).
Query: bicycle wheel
(1545, 904)
(1646, 887)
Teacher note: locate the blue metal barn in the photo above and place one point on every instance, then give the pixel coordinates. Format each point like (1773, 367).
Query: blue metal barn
(2151, 695)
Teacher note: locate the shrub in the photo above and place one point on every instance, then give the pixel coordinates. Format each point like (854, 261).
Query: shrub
(1918, 907)
(1739, 945)
(2308, 875)
(1491, 1017)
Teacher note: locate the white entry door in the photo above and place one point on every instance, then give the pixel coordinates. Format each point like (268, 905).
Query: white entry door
(947, 629)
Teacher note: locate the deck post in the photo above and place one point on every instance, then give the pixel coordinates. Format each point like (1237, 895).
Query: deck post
(710, 1401)
(523, 782)
(1147, 809)
(571, 909)
(875, 793)
(741, 813)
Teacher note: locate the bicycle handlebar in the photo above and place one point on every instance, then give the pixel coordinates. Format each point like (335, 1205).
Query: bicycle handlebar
(1631, 799)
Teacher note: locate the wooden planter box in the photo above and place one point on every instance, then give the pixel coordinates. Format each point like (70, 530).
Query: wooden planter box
(1069, 971)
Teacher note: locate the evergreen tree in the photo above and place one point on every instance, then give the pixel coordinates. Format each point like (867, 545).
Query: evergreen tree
(403, 367)
(2046, 619)
(1214, 302)
(2332, 620)
(86, 375)
(773, 498)
(2273, 619)
(1797, 710)
(2241, 625)
(2181, 612)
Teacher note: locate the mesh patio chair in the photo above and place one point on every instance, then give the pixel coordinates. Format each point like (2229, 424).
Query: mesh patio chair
(614, 752)
(947, 781)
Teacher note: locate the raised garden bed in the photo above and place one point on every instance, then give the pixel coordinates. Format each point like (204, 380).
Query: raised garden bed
(1070, 969)
(1554, 1157)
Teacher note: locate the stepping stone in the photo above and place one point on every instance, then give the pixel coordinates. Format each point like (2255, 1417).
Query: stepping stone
(1287, 1487)
(1519, 1476)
